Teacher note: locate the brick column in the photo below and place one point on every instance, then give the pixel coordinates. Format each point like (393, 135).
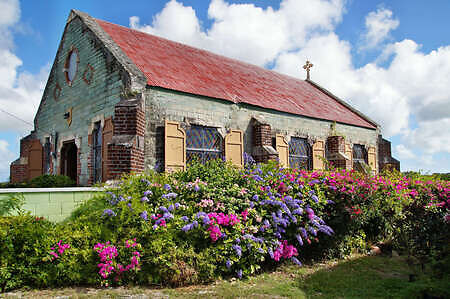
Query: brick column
(126, 149)
(19, 171)
(335, 152)
(262, 143)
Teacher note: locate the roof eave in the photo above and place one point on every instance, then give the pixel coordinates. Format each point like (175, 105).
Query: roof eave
(357, 112)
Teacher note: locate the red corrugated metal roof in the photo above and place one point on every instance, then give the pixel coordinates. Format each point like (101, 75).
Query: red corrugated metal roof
(183, 68)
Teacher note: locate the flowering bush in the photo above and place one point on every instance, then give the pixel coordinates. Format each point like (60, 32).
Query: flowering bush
(116, 263)
(242, 218)
(216, 220)
(57, 253)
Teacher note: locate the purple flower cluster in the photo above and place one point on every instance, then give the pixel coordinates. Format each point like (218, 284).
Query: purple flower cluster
(169, 195)
(109, 213)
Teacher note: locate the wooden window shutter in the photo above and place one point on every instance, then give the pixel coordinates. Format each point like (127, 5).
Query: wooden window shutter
(372, 158)
(318, 151)
(349, 153)
(282, 148)
(35, 167)
(234, 147)
(174, 147)
(108, 131)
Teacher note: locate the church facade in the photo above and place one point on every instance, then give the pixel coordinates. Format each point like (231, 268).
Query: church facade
(118, 101)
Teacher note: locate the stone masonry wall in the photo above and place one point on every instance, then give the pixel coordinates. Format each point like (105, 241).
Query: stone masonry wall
(190, 109)
(93, 94)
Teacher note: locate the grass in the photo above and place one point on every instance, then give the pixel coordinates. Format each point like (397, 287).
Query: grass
(357, 277)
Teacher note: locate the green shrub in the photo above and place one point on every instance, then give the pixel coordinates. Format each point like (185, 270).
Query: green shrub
(24, 243)
(43, 181)
(215, 220)
(51, 181)
(11, 204)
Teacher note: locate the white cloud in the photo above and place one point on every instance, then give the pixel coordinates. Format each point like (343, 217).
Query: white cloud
(245, 31)
(367, 88)
(9, 12)
(431, 136)
(20, 92)
(167, 24)
(404, 153)
(413, 86)
(378, 26)
(6, 156)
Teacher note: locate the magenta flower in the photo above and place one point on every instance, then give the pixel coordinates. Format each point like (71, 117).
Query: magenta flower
(214, 232)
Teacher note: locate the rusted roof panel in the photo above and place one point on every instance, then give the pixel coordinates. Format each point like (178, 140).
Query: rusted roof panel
(183, 68)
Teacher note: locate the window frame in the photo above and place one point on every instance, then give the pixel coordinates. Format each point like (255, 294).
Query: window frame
(204, 151)
(308, 157)
(47, 156)
(97, 148)
(67, 65)
(359, 162)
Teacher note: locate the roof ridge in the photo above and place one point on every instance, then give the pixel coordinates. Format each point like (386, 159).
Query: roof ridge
(177, 66)
(203, 50)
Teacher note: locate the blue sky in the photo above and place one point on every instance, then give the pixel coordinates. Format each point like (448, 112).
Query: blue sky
(389, 59)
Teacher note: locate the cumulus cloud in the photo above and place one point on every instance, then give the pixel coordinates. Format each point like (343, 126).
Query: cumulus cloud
(414, 84)
(404, 153)
(367, 88)
(20, 92)
(431, 136)
(378, 26)
(410, 90)
(245, 31)
(6, 157)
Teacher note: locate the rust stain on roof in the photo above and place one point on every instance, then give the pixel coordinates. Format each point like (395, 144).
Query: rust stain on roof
(175, 66)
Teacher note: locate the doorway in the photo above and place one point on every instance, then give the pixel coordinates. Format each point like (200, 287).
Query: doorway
(69, 159)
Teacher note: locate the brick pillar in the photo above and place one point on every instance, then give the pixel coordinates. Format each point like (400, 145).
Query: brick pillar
(126, 149)
(19, 170)
(336, 152)
(262, 143)
(385, 159)
(262, 135)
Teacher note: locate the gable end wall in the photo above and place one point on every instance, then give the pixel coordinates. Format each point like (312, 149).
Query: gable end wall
(89, 102)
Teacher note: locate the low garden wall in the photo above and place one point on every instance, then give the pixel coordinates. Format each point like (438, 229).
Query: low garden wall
(54, 204)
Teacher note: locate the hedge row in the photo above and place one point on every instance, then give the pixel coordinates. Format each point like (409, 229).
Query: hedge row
(215, 220)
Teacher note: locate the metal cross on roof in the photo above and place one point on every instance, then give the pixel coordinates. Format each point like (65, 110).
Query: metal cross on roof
(308, 65)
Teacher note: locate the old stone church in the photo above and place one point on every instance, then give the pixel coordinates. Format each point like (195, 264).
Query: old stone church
(118, 100)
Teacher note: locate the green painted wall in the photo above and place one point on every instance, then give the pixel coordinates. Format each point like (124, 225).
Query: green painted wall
(55, 204)
(91, 102)
(188, 109)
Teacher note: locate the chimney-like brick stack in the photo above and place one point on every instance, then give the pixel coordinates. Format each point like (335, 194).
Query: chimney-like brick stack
(262, 135)
(126, 151)
(336, 152)
(385, 159)
(19, 168)
(262, 143)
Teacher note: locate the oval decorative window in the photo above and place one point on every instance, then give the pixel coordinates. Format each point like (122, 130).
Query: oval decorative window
(71, 66)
